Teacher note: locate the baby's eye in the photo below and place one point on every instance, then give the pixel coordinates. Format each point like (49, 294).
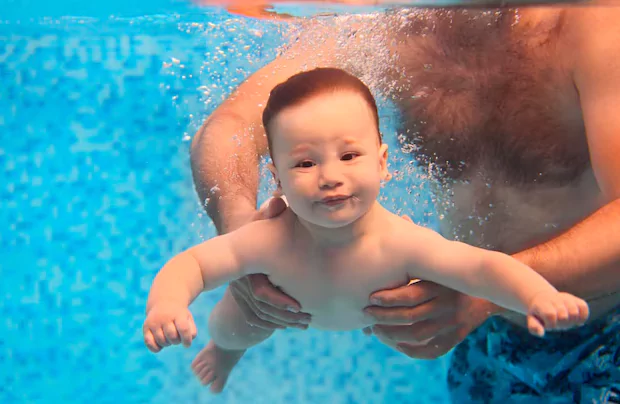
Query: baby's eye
(305, 164)
(349, 156)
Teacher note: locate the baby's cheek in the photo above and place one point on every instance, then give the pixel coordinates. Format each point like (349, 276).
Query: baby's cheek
(372, 182)
(301, 182)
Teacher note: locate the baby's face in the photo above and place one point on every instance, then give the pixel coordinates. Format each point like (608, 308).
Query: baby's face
(328, 159)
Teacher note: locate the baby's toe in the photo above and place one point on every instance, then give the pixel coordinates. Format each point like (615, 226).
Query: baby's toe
(206, 376)
(218, 385)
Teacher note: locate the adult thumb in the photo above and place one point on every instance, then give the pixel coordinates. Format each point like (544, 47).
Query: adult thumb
(271, 208)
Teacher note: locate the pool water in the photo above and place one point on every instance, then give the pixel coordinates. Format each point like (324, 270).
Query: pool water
(98, 104)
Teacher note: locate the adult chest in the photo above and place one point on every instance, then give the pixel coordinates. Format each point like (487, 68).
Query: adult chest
(482, 97)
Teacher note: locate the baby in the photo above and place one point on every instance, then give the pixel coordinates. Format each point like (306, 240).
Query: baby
(335, 244)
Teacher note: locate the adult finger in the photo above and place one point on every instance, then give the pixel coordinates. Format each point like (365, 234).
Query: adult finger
(249, 312)
(270, 209)
(256, 311)
(418, 332)
(276, 316)
(280, 317)
(265, 292)
(284, 317)
(408, 315)
(413, 294)
(434, 348)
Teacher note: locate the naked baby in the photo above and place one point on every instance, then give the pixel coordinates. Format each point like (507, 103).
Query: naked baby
(335, 244)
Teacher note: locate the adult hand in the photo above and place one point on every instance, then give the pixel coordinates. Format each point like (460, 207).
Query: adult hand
(263, 304)
(425, 320)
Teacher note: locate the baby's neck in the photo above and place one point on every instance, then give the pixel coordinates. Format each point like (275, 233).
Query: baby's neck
(344, 236)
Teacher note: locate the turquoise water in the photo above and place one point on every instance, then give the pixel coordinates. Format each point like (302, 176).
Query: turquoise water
(97, 106)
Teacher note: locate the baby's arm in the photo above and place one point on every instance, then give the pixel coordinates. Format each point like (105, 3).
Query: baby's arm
(493, 276)
(203, 267)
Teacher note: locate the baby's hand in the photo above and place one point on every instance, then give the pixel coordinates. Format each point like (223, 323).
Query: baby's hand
(168, 324)
(555, 311)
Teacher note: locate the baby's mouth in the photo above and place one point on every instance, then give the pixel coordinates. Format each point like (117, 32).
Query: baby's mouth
(335, 200)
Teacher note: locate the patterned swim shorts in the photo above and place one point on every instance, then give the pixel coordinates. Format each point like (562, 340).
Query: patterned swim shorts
(502, 363)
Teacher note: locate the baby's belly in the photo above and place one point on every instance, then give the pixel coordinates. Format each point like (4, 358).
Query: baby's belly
(333, 308)
(338, 316)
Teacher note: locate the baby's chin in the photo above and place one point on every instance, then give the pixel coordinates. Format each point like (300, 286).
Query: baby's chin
(332, 222)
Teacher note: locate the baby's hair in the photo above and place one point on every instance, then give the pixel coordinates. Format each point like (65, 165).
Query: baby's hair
(303, 86)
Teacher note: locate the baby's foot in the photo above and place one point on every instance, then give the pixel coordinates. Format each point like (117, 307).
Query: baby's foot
(213, 364)
(556, 311)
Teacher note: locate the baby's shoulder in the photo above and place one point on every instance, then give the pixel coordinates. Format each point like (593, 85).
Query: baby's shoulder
(278, 228)
(400, 225)
(262, 241)
(403, 234)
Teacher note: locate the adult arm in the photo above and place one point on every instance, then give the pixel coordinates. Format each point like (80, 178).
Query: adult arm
(225, 156)
(585, 260)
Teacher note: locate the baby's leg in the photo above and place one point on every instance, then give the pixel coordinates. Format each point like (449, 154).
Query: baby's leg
(228, 327)
(231, 335)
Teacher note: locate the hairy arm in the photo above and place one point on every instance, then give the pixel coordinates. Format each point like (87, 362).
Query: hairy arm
(585, 260)
(226, 151)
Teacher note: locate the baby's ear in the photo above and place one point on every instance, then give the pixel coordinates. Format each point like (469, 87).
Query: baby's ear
(383, 157)
(274, 172)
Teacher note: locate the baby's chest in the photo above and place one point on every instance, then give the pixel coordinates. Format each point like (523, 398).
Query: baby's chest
(336, 284)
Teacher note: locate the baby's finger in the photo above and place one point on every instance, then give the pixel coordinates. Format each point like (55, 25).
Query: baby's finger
(186, 329)
(576, 317)
(561, 313)
(150, 343)
(573, 310)
(548, 315)
(535, 326)
(160, 337)
(584, 309)
(171, 334)
(193, 329)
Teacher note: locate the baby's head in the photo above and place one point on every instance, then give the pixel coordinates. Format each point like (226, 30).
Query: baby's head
(328, 158)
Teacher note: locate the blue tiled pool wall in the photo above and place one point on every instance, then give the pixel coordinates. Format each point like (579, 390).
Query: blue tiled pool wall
(96, 194)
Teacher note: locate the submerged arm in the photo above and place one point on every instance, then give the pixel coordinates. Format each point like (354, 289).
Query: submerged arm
(490, 275)
(226, 151)
(210, 264)
(585, 260)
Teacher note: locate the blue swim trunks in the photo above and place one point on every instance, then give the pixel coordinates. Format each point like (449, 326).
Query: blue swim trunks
(502, 363)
